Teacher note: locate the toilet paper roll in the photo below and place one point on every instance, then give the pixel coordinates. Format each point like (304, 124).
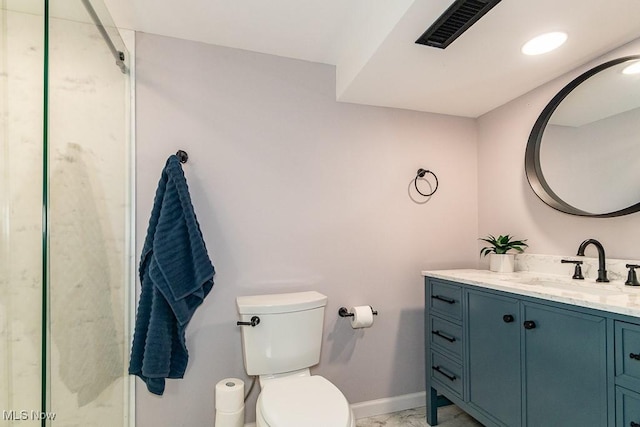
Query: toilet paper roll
(230, 419)
(362, 316)
(229, 395)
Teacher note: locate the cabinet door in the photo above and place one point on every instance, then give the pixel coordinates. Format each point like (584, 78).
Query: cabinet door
(494, 356)
(564, 367)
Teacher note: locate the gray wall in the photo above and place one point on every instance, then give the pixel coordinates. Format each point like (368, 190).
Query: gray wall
(295, 191)
(507, 204)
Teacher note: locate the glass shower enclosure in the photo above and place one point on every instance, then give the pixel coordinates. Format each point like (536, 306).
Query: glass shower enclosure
(65, 216)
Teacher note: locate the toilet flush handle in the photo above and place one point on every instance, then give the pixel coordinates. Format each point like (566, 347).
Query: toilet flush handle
(255, 320)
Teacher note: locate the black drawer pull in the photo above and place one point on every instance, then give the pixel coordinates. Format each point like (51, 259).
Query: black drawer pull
(529, 324)
(636, 357)
(445, 299)
(450, 377)
(441, 335)
(634, 424)
(508, 318)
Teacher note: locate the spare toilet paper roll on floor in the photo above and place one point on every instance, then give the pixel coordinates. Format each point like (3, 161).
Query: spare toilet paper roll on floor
(362, 316)
(230, 419)
(230, 395)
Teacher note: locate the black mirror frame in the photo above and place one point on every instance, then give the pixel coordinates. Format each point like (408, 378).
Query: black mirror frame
(532, 166)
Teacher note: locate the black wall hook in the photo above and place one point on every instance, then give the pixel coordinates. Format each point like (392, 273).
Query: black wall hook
(420, 174)
(183, 156)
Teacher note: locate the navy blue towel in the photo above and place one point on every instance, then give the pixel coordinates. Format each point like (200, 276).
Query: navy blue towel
(176, 275)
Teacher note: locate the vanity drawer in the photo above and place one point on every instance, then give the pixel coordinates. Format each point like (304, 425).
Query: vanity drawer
(446, 299)
(627, 350)
(447, 372)
(627, 408)
(447, 336)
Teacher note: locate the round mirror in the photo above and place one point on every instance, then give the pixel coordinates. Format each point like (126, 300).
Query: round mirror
(583, 154)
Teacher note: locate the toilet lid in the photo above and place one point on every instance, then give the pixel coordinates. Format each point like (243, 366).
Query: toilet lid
(304, 401)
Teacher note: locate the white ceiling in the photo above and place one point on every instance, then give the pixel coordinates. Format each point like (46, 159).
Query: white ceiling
(371, 43)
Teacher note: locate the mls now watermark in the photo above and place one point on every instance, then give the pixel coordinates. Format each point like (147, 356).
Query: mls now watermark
(25, 415)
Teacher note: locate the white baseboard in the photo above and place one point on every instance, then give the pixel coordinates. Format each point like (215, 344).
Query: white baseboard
(371, 408)
(387, 405)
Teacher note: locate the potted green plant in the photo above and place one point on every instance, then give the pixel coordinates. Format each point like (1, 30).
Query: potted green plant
(499, 260)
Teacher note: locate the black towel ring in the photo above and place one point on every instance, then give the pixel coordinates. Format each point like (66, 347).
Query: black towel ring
(183, 156)
(421, 173)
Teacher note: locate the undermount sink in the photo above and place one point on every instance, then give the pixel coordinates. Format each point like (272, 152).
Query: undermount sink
(589, 288)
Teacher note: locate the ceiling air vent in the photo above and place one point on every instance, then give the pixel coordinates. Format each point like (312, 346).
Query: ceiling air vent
(461, 15)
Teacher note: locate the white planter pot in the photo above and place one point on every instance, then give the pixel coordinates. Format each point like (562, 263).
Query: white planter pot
(502, 263)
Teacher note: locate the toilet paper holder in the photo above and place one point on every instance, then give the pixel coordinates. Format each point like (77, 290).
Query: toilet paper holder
(344, 312)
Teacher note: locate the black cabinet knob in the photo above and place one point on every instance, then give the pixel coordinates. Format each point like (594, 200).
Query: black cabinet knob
(508, 318)
(529, 324)
(635, 357)
(634, 424)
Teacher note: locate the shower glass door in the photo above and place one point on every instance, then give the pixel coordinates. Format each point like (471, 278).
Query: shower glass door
(65, 206)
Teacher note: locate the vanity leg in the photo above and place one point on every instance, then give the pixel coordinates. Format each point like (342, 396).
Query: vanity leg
(432, 407)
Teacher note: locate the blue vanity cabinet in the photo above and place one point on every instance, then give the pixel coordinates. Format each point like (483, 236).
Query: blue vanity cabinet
(627, 354)
(627, 374)
(564, 367)
(494, 331)
(444, 335)
(517, 346)
(627, 408)
(525, 362)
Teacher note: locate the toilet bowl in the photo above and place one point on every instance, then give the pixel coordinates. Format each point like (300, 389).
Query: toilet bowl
(310, 401)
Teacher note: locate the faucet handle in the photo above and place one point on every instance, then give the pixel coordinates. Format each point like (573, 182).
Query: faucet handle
(577, 273)
(632, 279)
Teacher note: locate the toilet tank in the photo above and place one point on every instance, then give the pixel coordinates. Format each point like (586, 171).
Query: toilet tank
(289, 334)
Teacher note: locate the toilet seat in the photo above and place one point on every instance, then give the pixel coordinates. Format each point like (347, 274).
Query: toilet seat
(310, 401)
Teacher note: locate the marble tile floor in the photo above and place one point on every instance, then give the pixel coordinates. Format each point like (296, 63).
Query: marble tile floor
(448, 416)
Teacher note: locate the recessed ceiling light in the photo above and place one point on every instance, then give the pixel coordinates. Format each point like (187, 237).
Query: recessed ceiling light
(632, 69)
(544, 43)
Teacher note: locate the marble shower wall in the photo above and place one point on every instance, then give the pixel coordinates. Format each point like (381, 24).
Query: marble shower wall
(89, 212)
(21, 112)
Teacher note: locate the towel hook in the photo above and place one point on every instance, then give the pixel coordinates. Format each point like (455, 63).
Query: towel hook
(183, 156)
(420, 174)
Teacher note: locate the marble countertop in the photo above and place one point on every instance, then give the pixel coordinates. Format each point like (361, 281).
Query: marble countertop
(613, 297)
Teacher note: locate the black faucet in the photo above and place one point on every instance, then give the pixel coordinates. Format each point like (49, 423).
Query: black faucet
(602, 272)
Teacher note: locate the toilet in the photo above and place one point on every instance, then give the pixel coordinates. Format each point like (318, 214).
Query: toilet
(281, 340)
